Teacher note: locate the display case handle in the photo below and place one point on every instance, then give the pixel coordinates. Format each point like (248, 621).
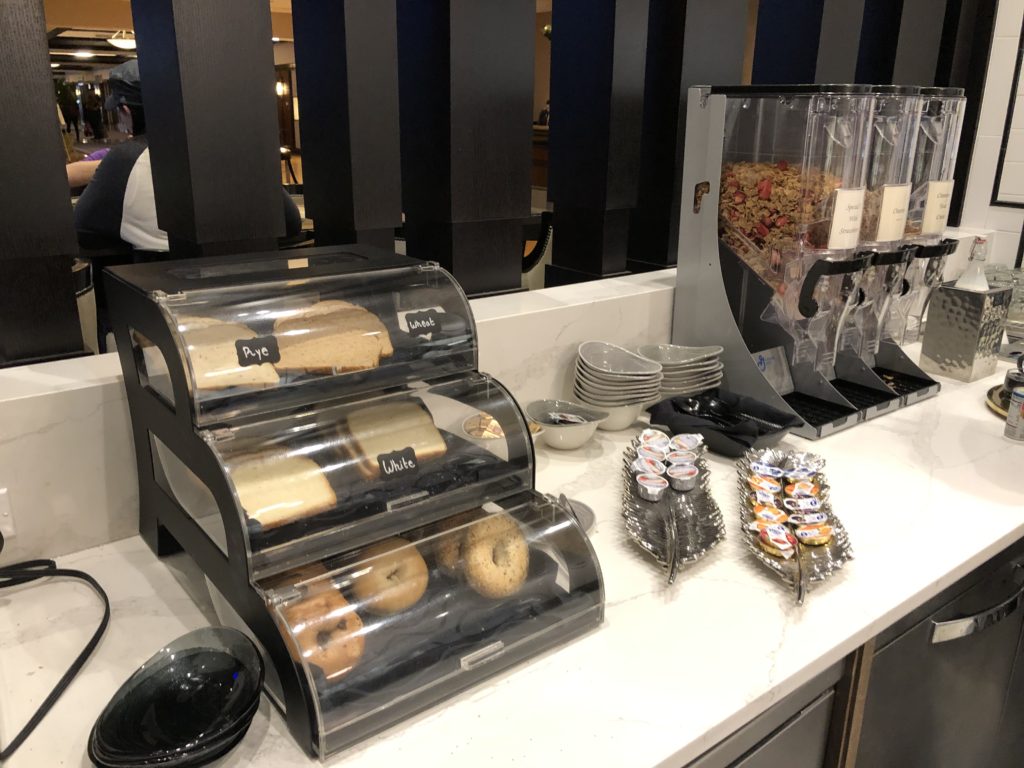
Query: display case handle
(944, 631)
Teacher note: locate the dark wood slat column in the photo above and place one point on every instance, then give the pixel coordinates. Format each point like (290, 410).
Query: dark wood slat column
(466, 103)
(963, 62)
(917, 50)
(38, 314)
(346, 55)
(598, 63)
(788, 33)
(687, 44)
(650, 221)
(839, 42)
(207, 71)
(879, 36)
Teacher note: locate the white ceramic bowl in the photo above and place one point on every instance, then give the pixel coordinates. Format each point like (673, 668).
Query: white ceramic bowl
(606, 402)
(621, 417)
(704, 365)
(670, 383)
(565, 437)
(609, 380)
(674, 354)
(590, 381)
(601, 390)
(611, 358)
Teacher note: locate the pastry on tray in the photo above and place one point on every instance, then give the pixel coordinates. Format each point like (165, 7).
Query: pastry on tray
(380, 438)
(331, 337)
(210, 344)
(274, 489)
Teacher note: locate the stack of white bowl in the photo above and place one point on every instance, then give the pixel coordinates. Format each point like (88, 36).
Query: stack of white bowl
(686, 370)
(616, 380)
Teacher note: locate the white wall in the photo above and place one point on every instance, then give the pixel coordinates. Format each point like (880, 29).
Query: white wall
(979, 214)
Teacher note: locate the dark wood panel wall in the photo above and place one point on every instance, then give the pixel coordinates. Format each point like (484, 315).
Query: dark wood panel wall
(466, 89)
(962, 61)
(208, 91)
(346, 56)
(425, 107)
(598, 62)
(687, 44)
(38, 315)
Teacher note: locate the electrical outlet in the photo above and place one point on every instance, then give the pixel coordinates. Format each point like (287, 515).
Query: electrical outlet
(6, 515)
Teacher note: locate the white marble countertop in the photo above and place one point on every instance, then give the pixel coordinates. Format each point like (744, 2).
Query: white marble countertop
(671, 672)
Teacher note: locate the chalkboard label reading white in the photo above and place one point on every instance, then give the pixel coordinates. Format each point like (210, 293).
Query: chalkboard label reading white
(262, 349)
(397, 463)
(423, 323)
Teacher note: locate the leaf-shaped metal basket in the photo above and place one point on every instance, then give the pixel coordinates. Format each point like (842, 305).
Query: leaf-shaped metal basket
(810, 563)
(679, 528)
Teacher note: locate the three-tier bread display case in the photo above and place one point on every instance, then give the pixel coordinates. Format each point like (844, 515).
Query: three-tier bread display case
(313, 432)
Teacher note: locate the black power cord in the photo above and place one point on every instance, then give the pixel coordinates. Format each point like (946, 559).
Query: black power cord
(31, 570)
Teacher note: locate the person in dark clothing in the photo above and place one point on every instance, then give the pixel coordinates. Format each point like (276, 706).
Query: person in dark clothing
(93, 108)
(118, 206)
(69, 109)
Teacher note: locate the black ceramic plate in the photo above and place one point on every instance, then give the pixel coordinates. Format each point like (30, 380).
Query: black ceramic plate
(197, 755)
(190, 759)
(195, 694)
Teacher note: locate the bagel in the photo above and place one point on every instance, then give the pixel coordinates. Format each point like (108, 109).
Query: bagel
(392, 578)
(327, 631)
(448, 548)
(496, 557)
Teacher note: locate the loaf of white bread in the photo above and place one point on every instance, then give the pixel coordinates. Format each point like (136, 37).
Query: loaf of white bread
(211, 351)
(382, 429)
(274, 488)
(331, 337)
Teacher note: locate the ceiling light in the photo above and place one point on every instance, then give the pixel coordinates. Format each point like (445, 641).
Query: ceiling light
(54, 65)
(275, 39)
(125, 40)
(280, 88)
(83, 54)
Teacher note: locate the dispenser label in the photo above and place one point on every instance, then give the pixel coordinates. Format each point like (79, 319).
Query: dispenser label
(892, 217)
(936, 207)
(397, 463)
(262, 349)
(421, 322)
(845, 232)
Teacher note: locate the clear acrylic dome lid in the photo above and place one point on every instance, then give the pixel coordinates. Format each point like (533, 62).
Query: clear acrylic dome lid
(346, 473)
(266, 342)
(412, 615)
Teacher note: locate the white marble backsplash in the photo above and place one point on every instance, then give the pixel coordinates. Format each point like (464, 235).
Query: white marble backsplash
(67, 463)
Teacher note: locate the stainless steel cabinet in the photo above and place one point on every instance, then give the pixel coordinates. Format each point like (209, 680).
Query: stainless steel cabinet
(800, 743)
(938, 688)
(792, 734)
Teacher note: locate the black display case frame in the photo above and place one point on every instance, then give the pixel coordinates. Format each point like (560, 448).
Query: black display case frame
(167, 527)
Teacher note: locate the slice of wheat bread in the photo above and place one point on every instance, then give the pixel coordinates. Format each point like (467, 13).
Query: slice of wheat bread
(211, 349)
(317, 341)
(274, 489)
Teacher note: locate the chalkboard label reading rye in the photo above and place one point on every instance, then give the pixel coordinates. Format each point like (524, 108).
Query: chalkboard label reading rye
(397, 463)
(262, 349)
(423, 323)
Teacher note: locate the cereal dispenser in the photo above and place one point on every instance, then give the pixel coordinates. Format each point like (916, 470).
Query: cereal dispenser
(776, 241)
(894, 131)
(931, 192)
(793, 173)
(311, 429)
